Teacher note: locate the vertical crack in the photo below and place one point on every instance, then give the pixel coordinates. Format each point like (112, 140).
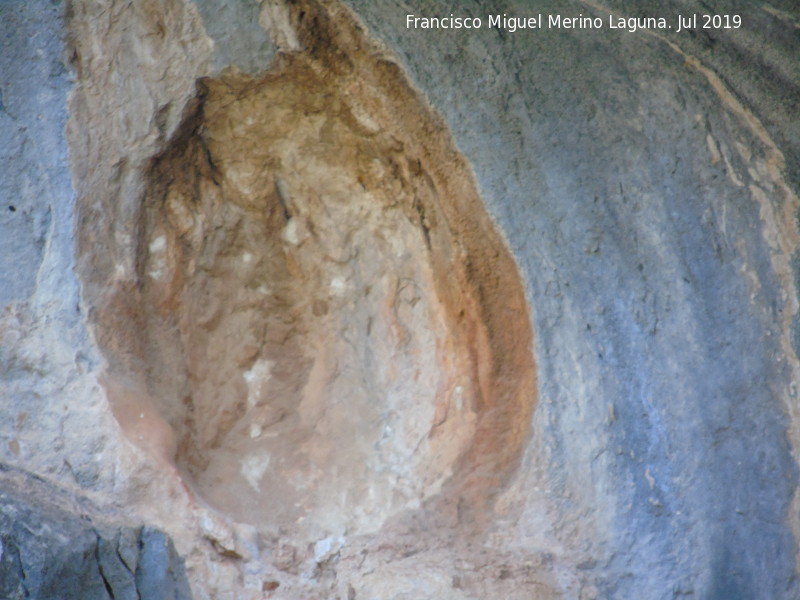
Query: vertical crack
(100, 570)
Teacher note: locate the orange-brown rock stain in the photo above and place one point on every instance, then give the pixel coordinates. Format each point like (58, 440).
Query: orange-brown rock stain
(323, 314)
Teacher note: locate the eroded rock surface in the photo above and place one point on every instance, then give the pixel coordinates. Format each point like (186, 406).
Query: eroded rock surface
(366, 326)
(302, 347)
(56, 545)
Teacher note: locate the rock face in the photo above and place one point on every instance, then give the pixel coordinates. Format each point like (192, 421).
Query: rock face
(54, 550)
(355, 310)
(365, 321)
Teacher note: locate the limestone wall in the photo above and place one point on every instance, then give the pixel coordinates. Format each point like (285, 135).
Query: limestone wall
(350, 309)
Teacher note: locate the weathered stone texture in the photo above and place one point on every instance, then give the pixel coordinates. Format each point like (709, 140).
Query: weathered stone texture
(300, 347)
(52, 545)
(648, 187)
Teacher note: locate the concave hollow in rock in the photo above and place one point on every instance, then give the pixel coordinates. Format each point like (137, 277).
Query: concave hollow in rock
(324, 328)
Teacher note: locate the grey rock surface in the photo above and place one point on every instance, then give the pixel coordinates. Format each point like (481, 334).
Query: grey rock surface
(46, 356)
(53, 547)
(238, 38)
(647, 184)
(628, 186)
(49, 546)
(35, 187)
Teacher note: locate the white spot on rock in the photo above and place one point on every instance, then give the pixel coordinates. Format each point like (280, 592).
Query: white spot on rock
(255, 377)
(338, 285)
(158, 261)
(290, 233)
(253, 468)
(326, 548)
(157, 245)
(458, 396)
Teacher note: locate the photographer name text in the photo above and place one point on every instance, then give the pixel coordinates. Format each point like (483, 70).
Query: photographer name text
(513, 24)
